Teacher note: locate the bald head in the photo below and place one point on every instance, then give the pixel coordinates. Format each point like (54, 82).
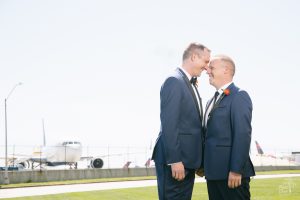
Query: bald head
(226, 62)
(221, 70)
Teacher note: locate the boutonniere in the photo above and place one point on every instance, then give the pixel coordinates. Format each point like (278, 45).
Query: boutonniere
(226, 92)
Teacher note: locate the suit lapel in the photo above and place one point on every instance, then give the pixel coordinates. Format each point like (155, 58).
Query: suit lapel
(217, 103)
(187, 81)
(231, 87)
(206, 109)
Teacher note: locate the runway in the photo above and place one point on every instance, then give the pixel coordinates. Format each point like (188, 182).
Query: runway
(45, 190)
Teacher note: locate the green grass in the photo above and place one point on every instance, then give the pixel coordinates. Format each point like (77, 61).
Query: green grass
(279, 172)
(261, 189)
(119, 179)
(276, 189)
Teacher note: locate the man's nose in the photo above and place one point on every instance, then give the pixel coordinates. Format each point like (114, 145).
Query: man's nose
(208, 70)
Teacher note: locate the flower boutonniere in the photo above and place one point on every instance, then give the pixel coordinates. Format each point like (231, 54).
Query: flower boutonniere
(226, 92)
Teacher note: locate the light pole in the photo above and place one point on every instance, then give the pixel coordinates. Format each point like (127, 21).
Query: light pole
(6, 179)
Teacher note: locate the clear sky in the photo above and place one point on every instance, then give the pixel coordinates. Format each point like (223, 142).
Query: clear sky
(93, 69)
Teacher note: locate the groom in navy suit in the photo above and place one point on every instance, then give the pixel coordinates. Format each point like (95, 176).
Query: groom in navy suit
(178, 150)
(227, 121)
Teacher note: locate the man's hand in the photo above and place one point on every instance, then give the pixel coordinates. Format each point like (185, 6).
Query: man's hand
(234, 180)
(178, 171)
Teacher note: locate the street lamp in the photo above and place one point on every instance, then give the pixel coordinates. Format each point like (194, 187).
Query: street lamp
(6, 179)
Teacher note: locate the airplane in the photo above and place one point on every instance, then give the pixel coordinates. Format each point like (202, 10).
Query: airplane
(261, 153)
(258, 148)
(130, 164)
(64, 153)
(262, 158)
(67, 152)
(148, 163)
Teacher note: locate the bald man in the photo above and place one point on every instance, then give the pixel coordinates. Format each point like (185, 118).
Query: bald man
(227, 122)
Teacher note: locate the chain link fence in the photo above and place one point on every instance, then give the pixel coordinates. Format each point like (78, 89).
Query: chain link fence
(76, 156)
(72, 155)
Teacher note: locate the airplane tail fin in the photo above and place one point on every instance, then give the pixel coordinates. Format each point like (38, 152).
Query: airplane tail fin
(259, 149)
(126, 166)
(147, 164)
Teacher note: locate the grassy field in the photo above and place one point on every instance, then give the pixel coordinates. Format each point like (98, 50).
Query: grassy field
(261, 189)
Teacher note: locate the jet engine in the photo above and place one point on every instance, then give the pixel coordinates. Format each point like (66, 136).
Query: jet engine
(96, 163)
(26, 164)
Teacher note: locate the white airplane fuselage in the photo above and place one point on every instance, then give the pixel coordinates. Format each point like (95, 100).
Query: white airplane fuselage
(67, 152)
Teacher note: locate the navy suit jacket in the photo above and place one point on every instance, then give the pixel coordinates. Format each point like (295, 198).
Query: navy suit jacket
(180, 137)
(228, 136)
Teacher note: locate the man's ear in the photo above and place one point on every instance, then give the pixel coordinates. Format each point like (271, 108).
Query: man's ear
(226, 69)
(193, 56)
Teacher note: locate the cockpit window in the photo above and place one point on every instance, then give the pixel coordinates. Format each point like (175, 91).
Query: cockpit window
(68, 143)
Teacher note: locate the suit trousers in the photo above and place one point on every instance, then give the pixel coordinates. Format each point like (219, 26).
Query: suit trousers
(171, 189)
(219, 190)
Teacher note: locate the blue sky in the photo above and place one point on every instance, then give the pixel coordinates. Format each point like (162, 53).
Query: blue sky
(93, 69)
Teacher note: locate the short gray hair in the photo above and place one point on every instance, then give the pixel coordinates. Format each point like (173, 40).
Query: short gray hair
(193, 48)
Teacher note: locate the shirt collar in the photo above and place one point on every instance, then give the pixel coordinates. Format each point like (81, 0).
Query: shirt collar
(224, 87)
(186, 73)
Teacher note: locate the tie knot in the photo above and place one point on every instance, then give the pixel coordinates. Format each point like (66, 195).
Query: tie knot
(215, 97)
(216, 94)
(193, 80)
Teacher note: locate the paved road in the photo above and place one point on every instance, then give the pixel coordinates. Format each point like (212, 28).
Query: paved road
(45, 190)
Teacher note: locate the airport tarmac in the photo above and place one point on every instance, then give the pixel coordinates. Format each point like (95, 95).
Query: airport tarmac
(46, 190)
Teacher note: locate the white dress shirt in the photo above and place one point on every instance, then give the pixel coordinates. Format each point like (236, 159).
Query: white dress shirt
(210, 106)
(194, 88)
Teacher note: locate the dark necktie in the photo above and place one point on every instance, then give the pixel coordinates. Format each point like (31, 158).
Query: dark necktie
(215, 97)
(193, 80)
